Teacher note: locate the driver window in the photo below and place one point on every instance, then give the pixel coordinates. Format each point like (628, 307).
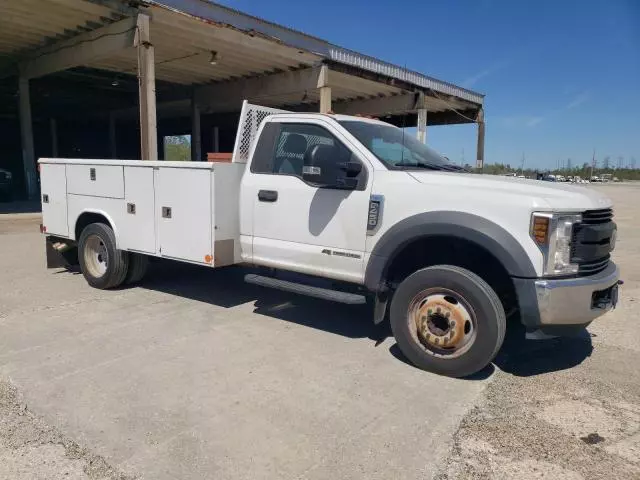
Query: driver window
(294, 140)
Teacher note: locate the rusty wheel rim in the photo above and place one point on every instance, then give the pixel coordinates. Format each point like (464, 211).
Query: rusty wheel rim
(442, 322)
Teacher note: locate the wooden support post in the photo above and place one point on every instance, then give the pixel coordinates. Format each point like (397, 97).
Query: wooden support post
(196, 138)
(422, 125)
(147, 90)
(325, 99)
(53, 129)
(480, 147)
(112, 135)
(26, 135)
(325, 90)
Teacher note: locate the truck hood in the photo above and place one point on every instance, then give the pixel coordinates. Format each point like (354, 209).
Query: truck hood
(556, 196)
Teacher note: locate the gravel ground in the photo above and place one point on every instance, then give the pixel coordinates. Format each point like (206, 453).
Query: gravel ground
(573, 412)
(32, 449)
(559, 409)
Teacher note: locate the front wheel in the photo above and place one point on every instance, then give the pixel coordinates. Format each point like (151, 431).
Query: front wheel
(447, 320)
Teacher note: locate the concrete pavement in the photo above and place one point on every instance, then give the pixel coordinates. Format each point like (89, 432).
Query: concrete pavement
(196, 374)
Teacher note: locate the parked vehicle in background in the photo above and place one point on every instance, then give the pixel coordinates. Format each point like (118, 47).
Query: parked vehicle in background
(6, 185)
(595, 179)
(357, 203)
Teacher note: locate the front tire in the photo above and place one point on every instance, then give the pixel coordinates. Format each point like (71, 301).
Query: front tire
(101, 263)
(447, 320)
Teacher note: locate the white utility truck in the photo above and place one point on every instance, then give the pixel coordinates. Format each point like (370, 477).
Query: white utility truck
(446, 255)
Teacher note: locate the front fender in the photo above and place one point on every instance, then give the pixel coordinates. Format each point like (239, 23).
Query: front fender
(484, 233)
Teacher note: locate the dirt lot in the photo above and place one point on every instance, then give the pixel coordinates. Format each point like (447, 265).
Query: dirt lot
(196, 375)
(568, 408)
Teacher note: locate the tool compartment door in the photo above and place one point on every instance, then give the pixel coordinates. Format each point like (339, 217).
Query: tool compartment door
(184, 214)
(138, 230)
(53, 184)
(96, 180)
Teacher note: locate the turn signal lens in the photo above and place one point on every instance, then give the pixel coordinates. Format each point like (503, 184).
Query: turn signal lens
(540, 230)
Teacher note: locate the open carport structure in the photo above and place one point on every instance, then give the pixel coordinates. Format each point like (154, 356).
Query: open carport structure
(111, 78)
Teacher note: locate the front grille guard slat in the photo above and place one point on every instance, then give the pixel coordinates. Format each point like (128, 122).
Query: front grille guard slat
(591, 217)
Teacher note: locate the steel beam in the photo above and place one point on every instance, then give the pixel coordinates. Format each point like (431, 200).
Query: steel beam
(228, 95)
(196, 137)
(26, 136)
(480, 146)
(379, 106)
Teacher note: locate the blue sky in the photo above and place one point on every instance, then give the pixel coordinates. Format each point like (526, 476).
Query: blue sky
(560, 78)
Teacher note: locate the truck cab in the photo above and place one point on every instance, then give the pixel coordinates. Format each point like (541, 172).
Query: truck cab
(445, 255)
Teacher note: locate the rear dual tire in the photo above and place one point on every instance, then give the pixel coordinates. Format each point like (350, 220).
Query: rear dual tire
(102, 264)
(447, 320)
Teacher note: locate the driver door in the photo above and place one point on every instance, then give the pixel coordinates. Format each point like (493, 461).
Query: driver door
(300, 227)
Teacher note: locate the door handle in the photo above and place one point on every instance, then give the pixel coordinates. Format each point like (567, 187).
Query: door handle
(268, 195)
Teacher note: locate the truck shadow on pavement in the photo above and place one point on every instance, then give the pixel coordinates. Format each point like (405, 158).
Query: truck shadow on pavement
(226, 288)
(525, 358)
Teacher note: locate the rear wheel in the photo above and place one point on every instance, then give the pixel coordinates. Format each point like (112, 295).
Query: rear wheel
(102, 264)
(447, 320)
(138, 265)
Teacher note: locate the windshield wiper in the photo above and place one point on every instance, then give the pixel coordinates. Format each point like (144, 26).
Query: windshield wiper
(430, 166)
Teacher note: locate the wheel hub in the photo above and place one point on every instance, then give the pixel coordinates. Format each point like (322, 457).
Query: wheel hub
(96, 256)
(442, 322)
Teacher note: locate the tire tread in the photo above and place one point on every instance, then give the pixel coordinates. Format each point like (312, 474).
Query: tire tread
(119, 259)
(455, 367)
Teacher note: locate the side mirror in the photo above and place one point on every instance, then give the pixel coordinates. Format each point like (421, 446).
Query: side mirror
(323, 168)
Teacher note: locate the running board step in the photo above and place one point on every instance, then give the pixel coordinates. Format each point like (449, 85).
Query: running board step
(317, 292)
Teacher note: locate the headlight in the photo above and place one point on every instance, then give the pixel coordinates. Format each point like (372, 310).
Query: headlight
(552, 233)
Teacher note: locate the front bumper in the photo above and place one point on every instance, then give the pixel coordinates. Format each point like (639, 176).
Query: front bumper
(567, 302)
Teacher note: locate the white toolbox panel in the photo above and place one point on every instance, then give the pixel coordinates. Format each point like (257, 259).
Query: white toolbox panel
(53, 185)
(96, 180)
(183, 213)
(138, 222)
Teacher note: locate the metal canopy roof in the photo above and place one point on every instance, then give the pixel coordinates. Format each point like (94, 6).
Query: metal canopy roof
(186, 32)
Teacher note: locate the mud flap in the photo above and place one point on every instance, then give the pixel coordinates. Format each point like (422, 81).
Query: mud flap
(380, 307)
(60, 258)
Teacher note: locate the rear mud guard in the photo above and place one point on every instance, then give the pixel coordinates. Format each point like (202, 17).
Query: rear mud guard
(61, 253)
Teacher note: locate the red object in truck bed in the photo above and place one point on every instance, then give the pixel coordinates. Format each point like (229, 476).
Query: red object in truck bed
(219, 157)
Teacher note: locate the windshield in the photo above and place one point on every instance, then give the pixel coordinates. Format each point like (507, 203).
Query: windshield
(395, 148)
